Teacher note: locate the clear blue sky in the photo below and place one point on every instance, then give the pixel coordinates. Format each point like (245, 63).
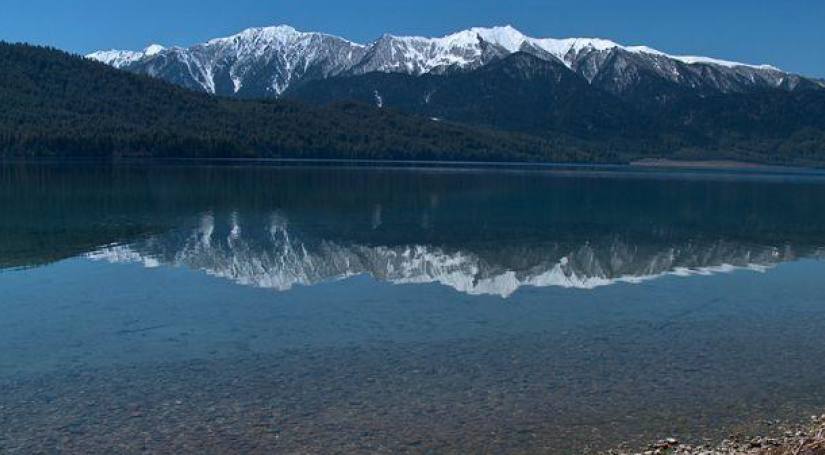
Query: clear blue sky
(789, 34)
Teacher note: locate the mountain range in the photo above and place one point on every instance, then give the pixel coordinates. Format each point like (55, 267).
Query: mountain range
(269, 61)
(484, 94)
(592, 95)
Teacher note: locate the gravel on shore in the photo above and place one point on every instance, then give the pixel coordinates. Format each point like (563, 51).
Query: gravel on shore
(807, 439)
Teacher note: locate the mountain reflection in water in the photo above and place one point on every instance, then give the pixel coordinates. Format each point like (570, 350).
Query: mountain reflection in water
(268, 253)
(479, 232)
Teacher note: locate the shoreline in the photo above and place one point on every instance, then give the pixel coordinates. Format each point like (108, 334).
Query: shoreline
(711, 164)
(785, 439)
(642, 166)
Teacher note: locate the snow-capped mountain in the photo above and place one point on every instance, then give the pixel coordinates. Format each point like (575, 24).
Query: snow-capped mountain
(269, 61)
(120, 59)
(255, 62)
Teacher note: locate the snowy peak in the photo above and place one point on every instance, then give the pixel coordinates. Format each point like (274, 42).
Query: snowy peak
(281, 35)
(153, 49)
(119, 59)
(507, 37)
(419, 55)
(260, 61)
(116, 58)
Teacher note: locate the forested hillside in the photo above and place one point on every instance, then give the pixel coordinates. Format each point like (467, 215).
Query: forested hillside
(57, 104)
(658, 118)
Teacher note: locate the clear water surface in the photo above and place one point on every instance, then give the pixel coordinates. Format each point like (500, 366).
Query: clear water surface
(312, 309)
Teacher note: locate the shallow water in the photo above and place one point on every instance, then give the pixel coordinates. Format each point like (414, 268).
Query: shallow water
(316, 309)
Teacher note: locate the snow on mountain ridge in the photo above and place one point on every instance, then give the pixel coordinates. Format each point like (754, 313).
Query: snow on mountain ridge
(115, 57)
(693, 59)
(277, 33)
(507, 37)
(271, 59)
(512, 40)
(118, 58)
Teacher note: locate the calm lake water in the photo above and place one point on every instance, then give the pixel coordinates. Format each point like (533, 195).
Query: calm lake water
(238, 309)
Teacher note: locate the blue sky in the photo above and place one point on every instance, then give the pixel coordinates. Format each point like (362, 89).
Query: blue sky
(789, 34)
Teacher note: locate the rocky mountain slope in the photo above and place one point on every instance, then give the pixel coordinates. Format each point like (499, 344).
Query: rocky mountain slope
(266, 62)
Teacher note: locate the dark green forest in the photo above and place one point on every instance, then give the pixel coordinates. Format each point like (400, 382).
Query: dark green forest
(59, 105)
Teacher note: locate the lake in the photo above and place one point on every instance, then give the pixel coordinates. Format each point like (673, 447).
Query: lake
(319, 309)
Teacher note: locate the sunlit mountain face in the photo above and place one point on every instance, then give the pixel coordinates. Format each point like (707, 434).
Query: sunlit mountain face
(478, 232)
(267, 61)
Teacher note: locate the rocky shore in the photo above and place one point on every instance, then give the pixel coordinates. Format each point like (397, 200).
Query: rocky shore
(807, 439)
